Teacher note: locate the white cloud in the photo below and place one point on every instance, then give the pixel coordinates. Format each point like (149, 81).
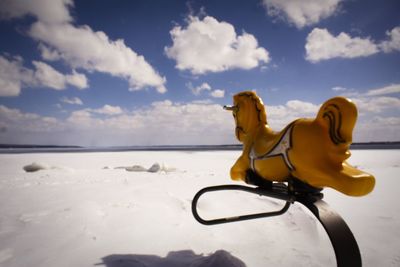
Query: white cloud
(390, 89)
(14, 76)
(279, 116)
(393, 44)
(160, 123)
(374, 101)
(98, 54)
(45, 75)
(49, 11)
(218, 93)
(301, 107)
(346, 92)
(207, 45)
(60, 39)
(301, 13)
(198, 123)
(377, 128)
(82, 119)
(197, 90)
(16, 121)
(11, 75)
(72, 100)
(339, 89)
(322, 45)
(87, 116)
(49, 54)
(77, 80)
(377, 104)
(108, 110)
(373, 123)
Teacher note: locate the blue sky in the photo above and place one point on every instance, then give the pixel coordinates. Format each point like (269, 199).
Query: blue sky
(157, 72)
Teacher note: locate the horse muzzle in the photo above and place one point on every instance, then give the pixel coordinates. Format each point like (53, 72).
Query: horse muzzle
(231, 108)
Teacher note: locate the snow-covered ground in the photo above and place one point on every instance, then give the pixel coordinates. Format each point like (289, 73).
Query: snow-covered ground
(82, 210)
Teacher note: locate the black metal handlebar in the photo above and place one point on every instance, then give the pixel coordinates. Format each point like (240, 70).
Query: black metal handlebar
(344, 244)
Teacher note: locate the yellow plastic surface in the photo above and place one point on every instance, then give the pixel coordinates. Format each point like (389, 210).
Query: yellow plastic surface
(312, 150)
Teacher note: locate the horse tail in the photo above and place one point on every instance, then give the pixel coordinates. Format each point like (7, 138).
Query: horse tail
(339, 114)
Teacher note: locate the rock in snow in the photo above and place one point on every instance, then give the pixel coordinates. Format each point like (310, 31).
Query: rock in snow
(155, 167)
(34, 167)
(136, 168)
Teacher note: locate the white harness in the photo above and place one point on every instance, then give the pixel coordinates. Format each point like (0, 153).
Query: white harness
(280, 149)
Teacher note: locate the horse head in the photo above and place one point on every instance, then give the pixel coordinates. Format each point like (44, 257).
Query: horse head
(249, 113)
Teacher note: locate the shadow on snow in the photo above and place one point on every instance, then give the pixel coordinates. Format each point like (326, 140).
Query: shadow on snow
(183, 258)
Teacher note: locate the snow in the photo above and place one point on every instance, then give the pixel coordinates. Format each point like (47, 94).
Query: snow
(88, 212)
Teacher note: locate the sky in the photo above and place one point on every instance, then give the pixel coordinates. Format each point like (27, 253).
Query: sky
(118, 73)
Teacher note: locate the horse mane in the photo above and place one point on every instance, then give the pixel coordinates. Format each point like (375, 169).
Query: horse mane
(258, 104)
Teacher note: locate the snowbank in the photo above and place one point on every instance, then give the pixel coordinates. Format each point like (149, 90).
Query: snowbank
(89, 215)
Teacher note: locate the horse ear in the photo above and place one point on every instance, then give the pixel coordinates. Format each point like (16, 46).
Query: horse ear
(340, 115)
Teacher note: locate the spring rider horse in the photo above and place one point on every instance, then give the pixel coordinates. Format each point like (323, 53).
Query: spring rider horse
(296, 163)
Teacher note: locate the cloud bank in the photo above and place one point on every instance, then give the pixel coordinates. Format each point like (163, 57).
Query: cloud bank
(160, 123)
(169, 123)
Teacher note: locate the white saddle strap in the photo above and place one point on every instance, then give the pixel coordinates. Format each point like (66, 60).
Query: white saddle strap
(281, 148)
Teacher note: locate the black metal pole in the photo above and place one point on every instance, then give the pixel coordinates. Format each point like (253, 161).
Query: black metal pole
(344, 244)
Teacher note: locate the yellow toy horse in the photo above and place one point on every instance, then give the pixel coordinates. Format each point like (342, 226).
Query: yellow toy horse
(311, 150)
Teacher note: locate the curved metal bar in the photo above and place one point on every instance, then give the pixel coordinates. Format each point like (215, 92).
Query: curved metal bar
(344, 244)
(279, 195)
